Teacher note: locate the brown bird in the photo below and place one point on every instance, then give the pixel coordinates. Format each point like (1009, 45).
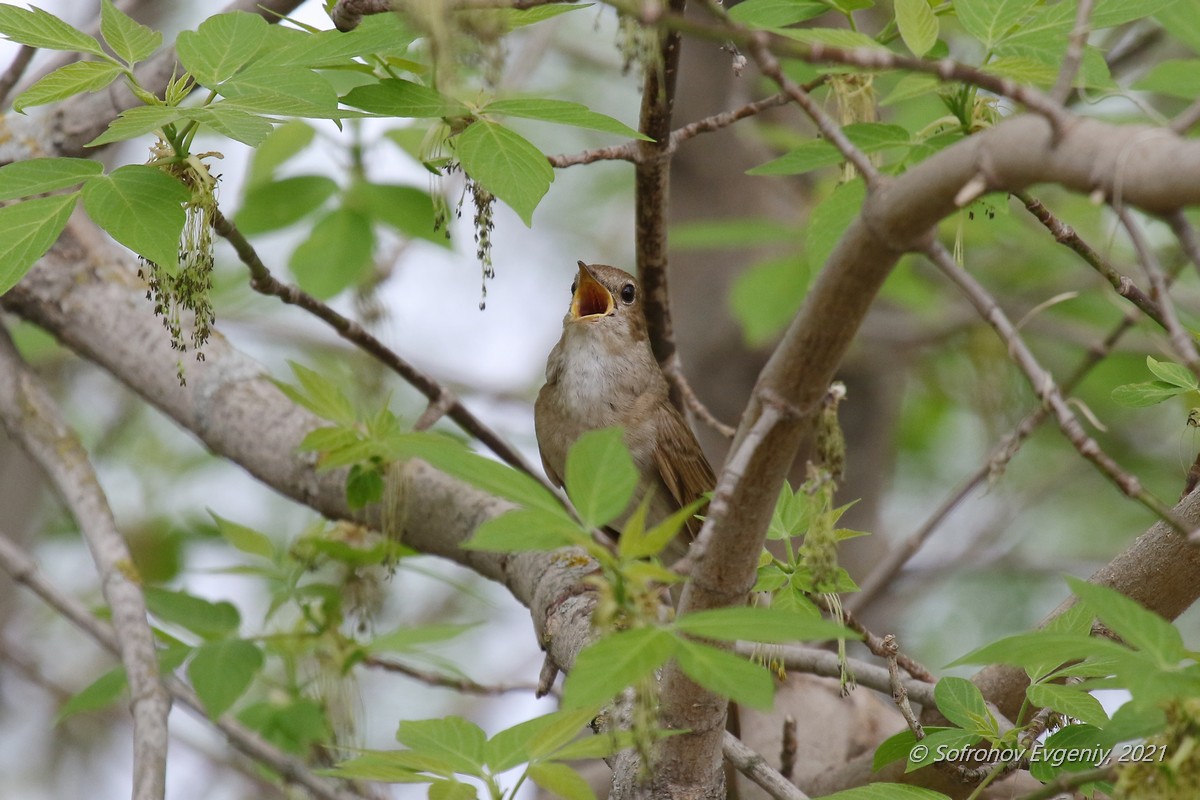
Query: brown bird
(601, 373)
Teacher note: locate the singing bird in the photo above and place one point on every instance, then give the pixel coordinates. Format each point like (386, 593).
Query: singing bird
(602, 373)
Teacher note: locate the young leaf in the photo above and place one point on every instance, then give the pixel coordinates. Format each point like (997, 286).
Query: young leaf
(281, 144)
(1035, 648)
(221, 672)
(726, 674)
(247, 540)
(1140, 395)
(961, 702)
(870, 137)
(129, 39)
(384, 766)
(202, 617)
(336, 255)
(1071, 702)
(392, 97)
(830, 219)
(560, 781)
(918, 25)
(67, 81)
(535, 739)
(100, 693)
(228, 120)
(284, 91)
(38, 28)
(1139, 627)
(505, 164)
(525, 529)
(451, 789)
(600, 476)
(1172, 373)
(776, 13)
(454, 740)
(270, 206)
(562, 112)
(30, 228)
(411, 639)
(140, 207)
(321, 395)
(636, 542)
(990, 20)
(221, 46)
(621, 659)
(936, 743)
(137, 121)
(898, 746)
(756, 624)
(41, 175)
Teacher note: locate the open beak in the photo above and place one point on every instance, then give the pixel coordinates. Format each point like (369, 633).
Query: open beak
(591, 300)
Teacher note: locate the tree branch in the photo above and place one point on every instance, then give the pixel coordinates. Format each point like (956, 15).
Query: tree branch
(32, 419)
(14, 72)
(1074, 55)
(756, 768)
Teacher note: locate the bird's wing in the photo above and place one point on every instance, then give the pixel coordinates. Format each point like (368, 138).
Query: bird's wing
(684, 470)
(539, 421)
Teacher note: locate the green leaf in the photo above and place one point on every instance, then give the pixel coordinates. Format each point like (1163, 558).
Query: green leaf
(456, 741)
(364, 486)
(637, 542)
(41, 175)
(1071, 702)
(520, 17)
(776, 13)
(279, 146)
(38, 28)
(407, 209)
(990, 20)
(499, 479)
(525, 529)
(100, 693)
(271, 206)
(137, 121)
(294, 726)
(1110, 13)
(285, 91)
(221, 672)
(766, 296)
(1175, 77)
(412, 639)
(384, 766)
(910, 86)
(229, 120)
(129, 39)
(1140, 395)
(898, 746)
(918, 25)
(869, 137)
(600, 476)
(1139, 627)
(562, 112)
(724, 673)
(535, 739)
(141, 207)
(505, 164)
(759, 624)
(397, 98)
(1172, 373)
(203, 617)
(1023, 69)
(606, 667)
(377, 33)
(30, 229)
(1181, 22)
(221, 46)
(835, 37)
(560, 781)
(452, 790)
(322, 395)
(1035, 648)
(246, 539)
(938, 743)
(336, 255)
(961, 702)
(67, 81)
(830, 219)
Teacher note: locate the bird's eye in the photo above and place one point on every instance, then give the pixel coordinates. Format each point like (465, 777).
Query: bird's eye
(574, 284)
(628, 293)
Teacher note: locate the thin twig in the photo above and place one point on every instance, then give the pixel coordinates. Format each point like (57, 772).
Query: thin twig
(789, 748)
(24, 570)
(1067, 782)
(619, 152)
(891, 649)
(464, 685)
(693, 403)
(651, 180)
(33, 420)
(1181, 340)
(878, 648)
(262, 281)
(1074, 54)
(15, 70)
(726, 118)
(1045, 388)
(1065, 235)
(756, 768)
(815, 661)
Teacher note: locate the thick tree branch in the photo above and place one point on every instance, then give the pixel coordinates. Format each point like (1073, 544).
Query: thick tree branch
(32, 419)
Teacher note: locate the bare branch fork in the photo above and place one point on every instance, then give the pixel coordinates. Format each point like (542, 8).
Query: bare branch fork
(32, 419)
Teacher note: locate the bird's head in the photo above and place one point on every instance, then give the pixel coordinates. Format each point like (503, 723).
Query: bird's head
(608, 298)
